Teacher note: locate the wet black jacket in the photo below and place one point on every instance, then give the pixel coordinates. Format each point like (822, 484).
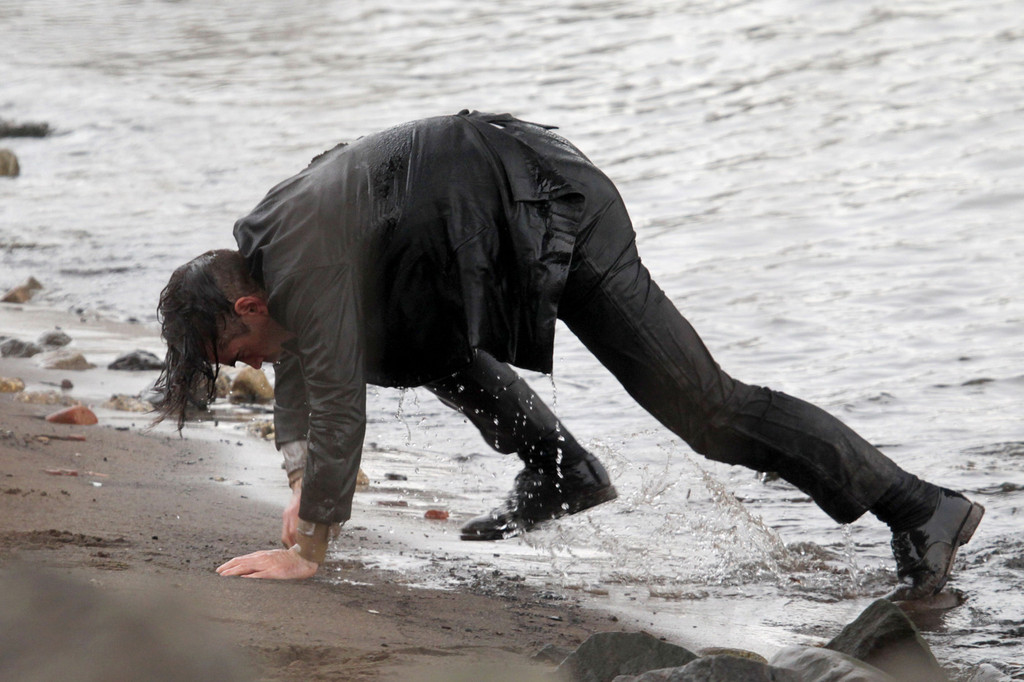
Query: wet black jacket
(395, 256)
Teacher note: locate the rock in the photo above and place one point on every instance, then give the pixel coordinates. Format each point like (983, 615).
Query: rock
(725, 651)
(222, 386)
(128, 403)
(718, 668)
(262, 429)
(362, 480)
(54, 338)
(986, 672)
(76, 414)
(66, 385)
(436, 515)
(11, 129)
(812, 664)
(885, 638)
(18, 294)
(23, 292)
(136, 361)
(606, 655)
(15, 348)
(44, 398)
(65, 359)
(9, 164)
(251, 386)
(11, 385)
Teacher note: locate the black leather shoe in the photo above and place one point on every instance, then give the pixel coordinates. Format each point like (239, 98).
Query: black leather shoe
(540, 495)
(924, 555)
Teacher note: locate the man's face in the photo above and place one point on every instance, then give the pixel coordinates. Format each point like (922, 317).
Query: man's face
(252, 337)
(253, 346)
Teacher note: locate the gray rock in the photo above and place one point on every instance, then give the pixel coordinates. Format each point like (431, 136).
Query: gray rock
(54, 338)
(11, 129)
(9, 164)
(728, 651)
(986, 672)
(15, 348)
(137, 361)
(606, 655)
(717, 668)
(885, 638)
(811, 664)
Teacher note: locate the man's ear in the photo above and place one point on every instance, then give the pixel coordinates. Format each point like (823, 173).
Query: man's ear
(250, 305)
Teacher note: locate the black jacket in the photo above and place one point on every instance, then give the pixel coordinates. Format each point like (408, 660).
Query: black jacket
(393, 257)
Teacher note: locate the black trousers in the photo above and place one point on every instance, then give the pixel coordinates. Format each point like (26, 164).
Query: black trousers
(611, 304)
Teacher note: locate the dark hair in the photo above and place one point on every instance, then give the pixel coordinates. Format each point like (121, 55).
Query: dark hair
(195, 308)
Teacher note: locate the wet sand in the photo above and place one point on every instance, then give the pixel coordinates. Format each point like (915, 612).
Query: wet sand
(151, 513)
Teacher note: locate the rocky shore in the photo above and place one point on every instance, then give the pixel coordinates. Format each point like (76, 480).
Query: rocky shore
(129, 524)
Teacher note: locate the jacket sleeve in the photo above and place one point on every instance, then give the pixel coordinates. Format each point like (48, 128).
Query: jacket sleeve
(321, 307)
(291, 408)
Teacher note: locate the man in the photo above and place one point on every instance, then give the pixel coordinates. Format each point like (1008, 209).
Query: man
(436, 254)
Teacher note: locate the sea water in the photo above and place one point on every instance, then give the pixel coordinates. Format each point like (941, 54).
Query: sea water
(830, 192)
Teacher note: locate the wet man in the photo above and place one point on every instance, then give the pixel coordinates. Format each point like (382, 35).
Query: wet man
(440, 252)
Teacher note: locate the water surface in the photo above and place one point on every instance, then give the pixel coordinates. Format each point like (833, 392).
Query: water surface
(830, 192)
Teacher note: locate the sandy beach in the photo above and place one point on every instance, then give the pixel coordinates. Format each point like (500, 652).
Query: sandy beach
(133, 515)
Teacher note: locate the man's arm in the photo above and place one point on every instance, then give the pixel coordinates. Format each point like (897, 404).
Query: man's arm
(291, 406)
(321, 307)
(291, 428)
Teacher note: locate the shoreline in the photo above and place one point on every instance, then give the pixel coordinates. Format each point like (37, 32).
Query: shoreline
(148, 514)
(151, 513)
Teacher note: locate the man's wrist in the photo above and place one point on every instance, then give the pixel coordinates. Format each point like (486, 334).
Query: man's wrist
(294, 454)
(295, 479)
(312, 540)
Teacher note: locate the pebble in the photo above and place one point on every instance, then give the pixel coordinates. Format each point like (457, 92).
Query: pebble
(30, 129)
(11, 385)
(23, 292)
(222, 386)
(65, 359)
(15, 348)
(9, 164)
(251, 386)
(44, 398)
(128, 403)
(137, 361)
(76, 414)
(362, 480)
(54, 338)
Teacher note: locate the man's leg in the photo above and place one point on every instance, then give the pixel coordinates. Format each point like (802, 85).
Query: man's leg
(620, 314)
(560, 477)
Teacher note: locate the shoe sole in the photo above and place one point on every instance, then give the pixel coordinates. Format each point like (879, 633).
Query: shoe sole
(597, 497)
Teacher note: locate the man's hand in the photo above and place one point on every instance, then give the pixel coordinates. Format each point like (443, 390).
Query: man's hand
(290, 516)
(275, 564)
